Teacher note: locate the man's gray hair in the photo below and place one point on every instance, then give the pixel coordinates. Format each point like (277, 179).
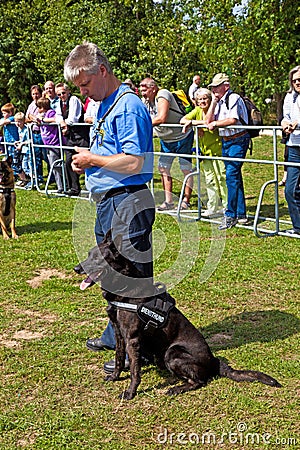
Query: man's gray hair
(87, 58)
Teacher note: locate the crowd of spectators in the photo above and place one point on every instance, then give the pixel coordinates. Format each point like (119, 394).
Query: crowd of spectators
(55, 120)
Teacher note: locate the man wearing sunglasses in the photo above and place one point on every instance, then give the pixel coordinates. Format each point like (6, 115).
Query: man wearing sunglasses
(290, 124)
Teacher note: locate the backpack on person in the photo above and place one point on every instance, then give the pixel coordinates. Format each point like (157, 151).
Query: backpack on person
(254, 114)
(254, 117)
(182, 101)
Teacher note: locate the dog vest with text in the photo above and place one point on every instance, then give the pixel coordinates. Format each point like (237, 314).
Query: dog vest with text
(155, 312)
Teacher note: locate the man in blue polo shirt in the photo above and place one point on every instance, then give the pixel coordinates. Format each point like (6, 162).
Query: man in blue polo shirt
(118, 164)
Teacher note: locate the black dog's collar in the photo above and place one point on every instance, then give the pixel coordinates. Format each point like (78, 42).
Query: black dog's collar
(154, 313)
(124, 306)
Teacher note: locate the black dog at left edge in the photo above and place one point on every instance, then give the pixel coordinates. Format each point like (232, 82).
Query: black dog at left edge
(7, 199)
(146, 317)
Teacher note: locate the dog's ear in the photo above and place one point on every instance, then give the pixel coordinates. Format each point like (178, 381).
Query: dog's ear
(118, 240)
(108, 237)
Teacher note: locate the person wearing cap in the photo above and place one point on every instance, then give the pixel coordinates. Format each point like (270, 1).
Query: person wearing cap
(225, 112)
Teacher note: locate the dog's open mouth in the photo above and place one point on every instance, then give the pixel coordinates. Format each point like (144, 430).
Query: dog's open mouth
(86, 283)
(91, 279)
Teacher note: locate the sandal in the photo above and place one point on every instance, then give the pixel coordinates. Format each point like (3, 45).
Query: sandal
(165, 206)
(185, 205)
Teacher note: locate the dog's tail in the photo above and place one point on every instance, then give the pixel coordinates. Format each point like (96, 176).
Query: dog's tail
(246, 375)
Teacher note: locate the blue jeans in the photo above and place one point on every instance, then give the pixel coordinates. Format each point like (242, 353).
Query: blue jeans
(235, 148)
(132, 215)
(27, 162)
(17, 159)
(292, 189)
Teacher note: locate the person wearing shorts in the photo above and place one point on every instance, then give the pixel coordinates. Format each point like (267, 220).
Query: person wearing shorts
(172, 140)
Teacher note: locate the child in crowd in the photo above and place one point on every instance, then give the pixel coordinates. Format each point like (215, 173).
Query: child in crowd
(23, 147)
(10, 134)
(51, 136)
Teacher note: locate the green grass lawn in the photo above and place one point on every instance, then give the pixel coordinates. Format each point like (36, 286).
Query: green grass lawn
(242, 292)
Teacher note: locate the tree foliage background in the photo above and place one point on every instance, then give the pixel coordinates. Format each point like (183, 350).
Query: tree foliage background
(255, 42)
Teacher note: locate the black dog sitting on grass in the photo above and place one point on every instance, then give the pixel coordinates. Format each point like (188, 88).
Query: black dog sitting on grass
(145, 316)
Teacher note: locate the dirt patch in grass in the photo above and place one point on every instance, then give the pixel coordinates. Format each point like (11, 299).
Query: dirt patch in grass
(21, 335)
(219, 338)
(37, 315)
(8, 342)
(27, 335)
(12, 339)
(27, 441)
(45, 274)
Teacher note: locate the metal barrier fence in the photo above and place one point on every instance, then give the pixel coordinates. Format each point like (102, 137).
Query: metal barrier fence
(257, 228)
(190, 214)
(61, 162)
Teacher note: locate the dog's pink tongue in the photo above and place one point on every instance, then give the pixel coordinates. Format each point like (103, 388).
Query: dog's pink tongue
(88, 282)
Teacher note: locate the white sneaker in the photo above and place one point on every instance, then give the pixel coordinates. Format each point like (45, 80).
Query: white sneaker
(207, 213)
(292, 232)
(243, 220)
(211, 213)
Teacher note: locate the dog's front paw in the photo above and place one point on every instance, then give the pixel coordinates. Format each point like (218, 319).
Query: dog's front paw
(127, 395)
(174, 390)
(111, 377)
